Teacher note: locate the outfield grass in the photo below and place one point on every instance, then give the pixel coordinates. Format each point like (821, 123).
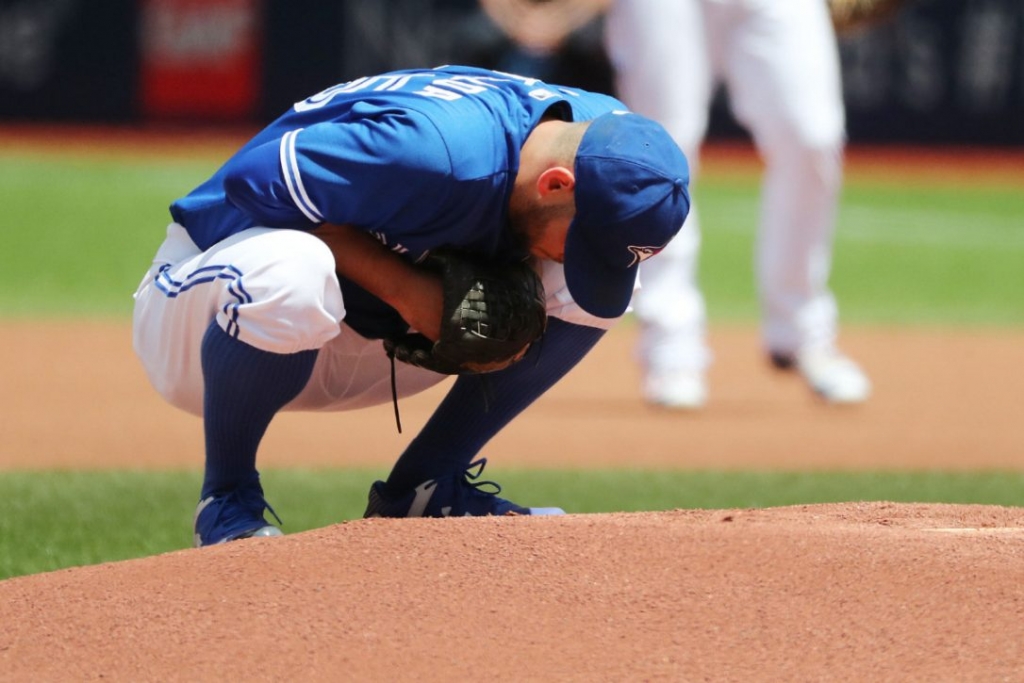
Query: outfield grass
(54, 520)
(939, 254)
(79, 233)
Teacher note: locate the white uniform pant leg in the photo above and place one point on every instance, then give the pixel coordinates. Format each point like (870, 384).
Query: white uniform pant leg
(783, 74)
(662, 71)
(272, 289)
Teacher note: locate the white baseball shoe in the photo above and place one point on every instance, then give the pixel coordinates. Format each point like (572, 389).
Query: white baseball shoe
(832, 375)
(675, 389)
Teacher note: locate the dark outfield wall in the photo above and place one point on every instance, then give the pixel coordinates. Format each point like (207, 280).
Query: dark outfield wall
(947, 70)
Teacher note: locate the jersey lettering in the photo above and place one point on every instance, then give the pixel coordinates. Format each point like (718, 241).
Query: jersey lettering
(440, 93)
(375, 83)
(449, 88)
(470, 86)
(323, 97)
(542, 94)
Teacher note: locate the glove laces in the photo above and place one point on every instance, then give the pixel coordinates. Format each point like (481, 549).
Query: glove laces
(394, 394)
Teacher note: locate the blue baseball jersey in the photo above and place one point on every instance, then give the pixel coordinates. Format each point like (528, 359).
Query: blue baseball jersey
(420, 158)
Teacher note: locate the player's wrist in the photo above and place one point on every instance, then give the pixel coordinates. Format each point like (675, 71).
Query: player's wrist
(419, 301)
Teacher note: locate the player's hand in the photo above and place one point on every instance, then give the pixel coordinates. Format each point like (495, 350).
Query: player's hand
(493, 313)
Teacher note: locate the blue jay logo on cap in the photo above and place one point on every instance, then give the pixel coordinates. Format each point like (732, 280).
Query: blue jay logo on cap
(641, 254)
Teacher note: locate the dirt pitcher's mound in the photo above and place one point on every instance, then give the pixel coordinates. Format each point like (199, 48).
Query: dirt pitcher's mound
(856, 592)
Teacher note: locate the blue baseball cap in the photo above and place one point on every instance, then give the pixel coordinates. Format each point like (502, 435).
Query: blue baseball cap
(632, 197)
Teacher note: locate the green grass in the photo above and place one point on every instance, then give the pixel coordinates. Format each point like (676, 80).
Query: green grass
(933, 255)
(76, 234)
(54, 520)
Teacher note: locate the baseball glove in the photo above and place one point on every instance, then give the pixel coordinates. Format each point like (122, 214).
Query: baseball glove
(491, 315)
(854, 15)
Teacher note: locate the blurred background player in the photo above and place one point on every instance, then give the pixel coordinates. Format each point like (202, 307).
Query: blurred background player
(779, 64)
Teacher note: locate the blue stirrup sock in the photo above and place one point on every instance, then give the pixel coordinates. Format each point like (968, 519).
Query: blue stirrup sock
(478, 406)
(244, 388)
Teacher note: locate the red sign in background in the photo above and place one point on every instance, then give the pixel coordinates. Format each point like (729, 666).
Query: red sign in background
(200, 59)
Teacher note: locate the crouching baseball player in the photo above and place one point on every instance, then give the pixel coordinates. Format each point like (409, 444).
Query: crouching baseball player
(384, 234)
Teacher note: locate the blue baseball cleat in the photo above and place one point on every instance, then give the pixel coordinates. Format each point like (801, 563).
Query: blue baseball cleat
(233, 516)
(455, 495)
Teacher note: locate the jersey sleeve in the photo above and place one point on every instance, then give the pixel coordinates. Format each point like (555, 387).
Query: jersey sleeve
(379, 172)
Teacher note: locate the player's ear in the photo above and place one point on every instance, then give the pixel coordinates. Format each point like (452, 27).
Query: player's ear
(557, 179)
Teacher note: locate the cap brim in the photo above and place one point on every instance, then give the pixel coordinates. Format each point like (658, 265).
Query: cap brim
(599, 288)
